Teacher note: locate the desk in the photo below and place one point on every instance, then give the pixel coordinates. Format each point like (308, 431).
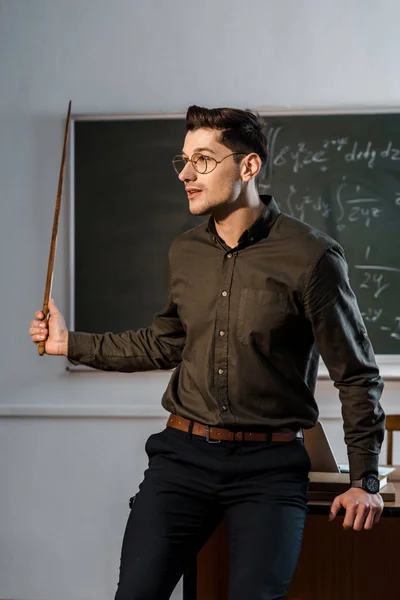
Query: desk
(334, 564)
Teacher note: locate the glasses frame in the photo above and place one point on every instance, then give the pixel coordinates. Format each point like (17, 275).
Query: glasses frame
(186, 160)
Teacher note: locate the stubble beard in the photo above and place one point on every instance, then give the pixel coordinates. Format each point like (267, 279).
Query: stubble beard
(203, 207)
(200, 207)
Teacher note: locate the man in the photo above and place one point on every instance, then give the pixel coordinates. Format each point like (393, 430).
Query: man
(254, 296)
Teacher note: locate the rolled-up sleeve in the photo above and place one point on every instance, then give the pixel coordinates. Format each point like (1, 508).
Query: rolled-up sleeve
(343, 342)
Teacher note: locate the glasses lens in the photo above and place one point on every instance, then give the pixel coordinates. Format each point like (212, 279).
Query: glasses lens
(178, 163)
(203, 164)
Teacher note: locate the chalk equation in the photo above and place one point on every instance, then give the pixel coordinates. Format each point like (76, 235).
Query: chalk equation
(375, 315)
(349, 204)
(376, 280)
(300, 155)
(395, 331)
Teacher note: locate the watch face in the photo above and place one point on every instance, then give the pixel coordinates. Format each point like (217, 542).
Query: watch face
(372, 484)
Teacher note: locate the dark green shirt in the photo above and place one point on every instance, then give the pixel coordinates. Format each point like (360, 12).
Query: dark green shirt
(244, 328)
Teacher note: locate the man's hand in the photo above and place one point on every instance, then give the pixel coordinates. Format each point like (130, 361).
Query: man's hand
(362, 509)
(54, 331)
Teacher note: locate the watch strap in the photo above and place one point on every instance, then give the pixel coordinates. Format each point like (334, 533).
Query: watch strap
(357, 483)
(372, 486)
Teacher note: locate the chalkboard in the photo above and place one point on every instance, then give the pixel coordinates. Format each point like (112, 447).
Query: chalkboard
(338, 172)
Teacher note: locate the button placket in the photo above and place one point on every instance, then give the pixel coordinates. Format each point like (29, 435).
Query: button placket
(222, 334)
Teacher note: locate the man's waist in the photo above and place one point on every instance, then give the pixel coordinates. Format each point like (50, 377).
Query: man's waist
(222, 434)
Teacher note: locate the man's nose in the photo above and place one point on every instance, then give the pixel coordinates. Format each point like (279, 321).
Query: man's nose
(188, 173)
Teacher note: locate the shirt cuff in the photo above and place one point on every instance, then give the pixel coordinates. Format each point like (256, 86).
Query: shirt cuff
(362, 465)
(80, 346)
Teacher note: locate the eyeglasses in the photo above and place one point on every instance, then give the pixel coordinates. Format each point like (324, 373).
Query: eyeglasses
(201, 163)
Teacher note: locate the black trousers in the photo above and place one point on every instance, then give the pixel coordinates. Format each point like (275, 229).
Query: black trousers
(189, 486)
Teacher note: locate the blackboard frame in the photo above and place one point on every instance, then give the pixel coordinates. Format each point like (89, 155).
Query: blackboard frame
(389, 364)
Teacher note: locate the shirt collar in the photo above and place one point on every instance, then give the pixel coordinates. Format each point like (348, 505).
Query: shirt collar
(261, 226)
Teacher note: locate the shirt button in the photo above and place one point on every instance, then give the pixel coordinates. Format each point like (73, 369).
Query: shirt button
(229, 255)
(252, 239)
(224, 408)
(222, 333)
(221, 371)
(224, 293)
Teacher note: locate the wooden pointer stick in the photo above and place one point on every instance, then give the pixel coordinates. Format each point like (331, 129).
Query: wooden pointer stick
(50, 266)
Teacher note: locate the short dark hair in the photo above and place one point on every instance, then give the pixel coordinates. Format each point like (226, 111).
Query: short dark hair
(241, 130)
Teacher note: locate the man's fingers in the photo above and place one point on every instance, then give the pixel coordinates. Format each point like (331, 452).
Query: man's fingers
(370, 520)
(377, 510)
(334, 508)
(38, 331)
(363, 514)
(378, 514)
(37, 327)
(362, 509)
(52, 308)
(349, 517)
(39, 337)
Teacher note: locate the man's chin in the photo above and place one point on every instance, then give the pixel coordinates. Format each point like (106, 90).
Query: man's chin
(199, 210)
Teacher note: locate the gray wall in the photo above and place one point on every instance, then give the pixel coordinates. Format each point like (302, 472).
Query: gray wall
(71, 445)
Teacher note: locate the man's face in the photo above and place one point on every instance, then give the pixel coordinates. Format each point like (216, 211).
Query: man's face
(210, 191)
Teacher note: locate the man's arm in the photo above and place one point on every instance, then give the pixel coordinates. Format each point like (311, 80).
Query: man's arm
(159, 346)
(343, 342)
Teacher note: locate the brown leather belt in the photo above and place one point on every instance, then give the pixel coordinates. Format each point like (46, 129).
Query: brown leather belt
(218, 434)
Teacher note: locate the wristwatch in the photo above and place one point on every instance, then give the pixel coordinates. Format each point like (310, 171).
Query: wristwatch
(370, 484)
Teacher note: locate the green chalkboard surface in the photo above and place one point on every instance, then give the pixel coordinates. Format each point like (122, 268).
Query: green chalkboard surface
(340, 173)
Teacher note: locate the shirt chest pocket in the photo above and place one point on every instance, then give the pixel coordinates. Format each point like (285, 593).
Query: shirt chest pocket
(260, 314)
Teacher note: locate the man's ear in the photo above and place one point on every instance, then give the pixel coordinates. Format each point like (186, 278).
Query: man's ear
(250, 167)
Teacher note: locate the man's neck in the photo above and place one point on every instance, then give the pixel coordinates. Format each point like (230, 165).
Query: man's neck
(231, 225)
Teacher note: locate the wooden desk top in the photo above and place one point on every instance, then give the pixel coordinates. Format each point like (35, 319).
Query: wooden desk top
(391, 509)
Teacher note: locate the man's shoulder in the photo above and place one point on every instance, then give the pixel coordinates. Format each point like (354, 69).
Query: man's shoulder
(307, 238)
(197, 233)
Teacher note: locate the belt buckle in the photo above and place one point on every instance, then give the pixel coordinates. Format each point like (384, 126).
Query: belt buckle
(208, 437)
